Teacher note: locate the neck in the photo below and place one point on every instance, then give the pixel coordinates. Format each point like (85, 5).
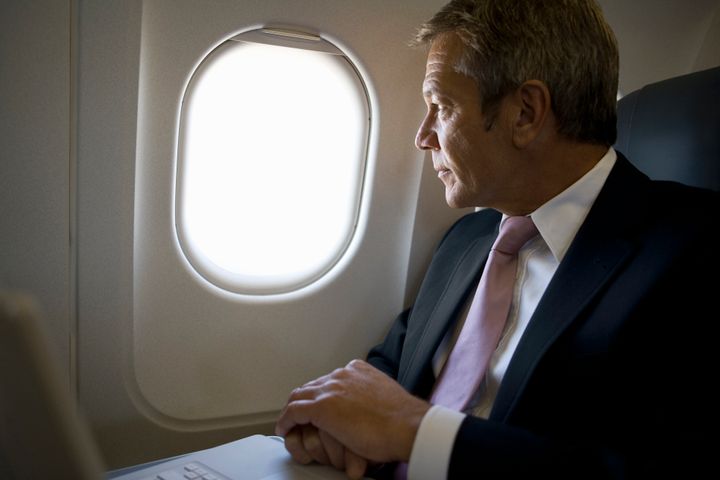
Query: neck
(550, 172)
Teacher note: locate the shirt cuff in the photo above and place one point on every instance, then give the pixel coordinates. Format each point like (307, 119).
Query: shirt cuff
(430, 456)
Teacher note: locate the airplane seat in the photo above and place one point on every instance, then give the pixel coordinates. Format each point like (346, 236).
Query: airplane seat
(671, 129)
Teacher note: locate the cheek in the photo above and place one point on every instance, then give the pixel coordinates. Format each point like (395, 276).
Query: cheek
(458, 149)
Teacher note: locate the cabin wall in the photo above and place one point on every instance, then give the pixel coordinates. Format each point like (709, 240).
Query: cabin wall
(137, 416)
(709, 54)
(36, 162)
(660, 39)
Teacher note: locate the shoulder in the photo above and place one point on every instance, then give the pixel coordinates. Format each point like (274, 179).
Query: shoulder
(466, 235)
(681, 206)
(663, 195)
(674, 195)
(471, 227)
(631, 197)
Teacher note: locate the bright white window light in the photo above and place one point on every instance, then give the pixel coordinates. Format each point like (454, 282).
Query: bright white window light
(272, 150)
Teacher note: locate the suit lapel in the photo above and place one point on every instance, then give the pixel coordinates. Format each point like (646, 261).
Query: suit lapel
(599, 250)
(416, 368)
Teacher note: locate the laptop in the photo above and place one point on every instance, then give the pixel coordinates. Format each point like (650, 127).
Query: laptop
(42, 434)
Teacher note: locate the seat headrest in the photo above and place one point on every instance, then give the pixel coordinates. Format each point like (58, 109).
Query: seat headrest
(671, 129)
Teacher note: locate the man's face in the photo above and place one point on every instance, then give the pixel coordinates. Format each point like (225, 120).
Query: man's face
(468, 157)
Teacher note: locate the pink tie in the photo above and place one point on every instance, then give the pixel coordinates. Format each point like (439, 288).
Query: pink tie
(469, 358)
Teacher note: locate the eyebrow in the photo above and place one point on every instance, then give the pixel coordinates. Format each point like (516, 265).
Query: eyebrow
(431, 86)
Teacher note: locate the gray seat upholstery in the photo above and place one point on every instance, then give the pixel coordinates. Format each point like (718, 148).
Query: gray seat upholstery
(671, 129)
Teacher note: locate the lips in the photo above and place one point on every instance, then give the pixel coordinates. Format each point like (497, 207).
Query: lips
(442, 171)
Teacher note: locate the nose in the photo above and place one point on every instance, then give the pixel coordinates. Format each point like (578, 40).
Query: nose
(426, 137)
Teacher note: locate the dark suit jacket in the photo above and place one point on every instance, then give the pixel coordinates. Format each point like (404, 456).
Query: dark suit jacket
(613, 374)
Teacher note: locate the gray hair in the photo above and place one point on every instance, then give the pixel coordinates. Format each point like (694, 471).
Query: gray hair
(566, 44)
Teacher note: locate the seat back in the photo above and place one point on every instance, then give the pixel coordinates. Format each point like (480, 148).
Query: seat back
(671, 129)
(42, 433)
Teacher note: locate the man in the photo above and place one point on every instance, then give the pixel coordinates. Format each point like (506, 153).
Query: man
(603, 367)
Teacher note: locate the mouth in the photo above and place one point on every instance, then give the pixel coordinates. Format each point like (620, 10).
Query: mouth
(442, 171)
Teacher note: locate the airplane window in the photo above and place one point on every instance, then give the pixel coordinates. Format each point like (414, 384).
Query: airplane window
(272, 150)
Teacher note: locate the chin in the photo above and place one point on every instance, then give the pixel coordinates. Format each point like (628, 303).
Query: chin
(457, 195)
(455, 201)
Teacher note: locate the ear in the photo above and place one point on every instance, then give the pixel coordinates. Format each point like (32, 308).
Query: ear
(532, 100)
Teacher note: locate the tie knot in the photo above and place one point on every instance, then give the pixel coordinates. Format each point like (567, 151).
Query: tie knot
(514, 233)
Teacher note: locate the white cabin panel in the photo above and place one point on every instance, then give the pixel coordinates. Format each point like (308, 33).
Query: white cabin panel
(168, 361)
(36, 165)
(186, 331)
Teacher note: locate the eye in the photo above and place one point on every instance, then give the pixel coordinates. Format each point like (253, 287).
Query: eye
(437, 107)
(443, 109)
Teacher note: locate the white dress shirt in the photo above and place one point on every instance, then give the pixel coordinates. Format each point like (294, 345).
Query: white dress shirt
(557, 221)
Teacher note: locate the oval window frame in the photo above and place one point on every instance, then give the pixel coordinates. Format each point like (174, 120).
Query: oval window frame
(254, 285)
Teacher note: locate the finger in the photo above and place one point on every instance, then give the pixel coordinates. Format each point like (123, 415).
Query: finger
(334, 376)
(313, 444)
(319, 380)
(306, 392)
(334, 450)
(294, 445)
(357, 364)
(355, 465)
(298, 412)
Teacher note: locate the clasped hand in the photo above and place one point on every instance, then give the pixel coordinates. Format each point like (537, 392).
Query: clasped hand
(351, 418)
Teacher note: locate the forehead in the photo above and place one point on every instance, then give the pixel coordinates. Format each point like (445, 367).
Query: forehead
(441, 69)
(445, 48)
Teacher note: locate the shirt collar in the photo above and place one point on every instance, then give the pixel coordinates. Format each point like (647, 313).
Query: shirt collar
(559, 219)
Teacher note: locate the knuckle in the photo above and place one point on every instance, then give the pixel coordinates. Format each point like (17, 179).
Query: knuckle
(315, 451)
(291, 440)
(355, 363)
(293, 445)
(333, 385)
(311, 442)
(334, 450)
(355, 466)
